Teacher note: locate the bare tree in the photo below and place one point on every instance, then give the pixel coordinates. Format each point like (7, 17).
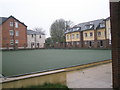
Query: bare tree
(39, 30)
(58, 28)
(68, 24)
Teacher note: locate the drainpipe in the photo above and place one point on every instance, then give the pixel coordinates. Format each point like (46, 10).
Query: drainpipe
(13, 34)
(35, 41)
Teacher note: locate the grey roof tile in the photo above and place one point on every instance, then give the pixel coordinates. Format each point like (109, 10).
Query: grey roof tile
(82, 26)
(2, 19)
(30, 32)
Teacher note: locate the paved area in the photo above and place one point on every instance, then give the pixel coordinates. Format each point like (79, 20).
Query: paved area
(94, 77)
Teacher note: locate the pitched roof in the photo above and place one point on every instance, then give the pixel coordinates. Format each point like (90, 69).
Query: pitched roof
(4, 19)
(30, 32)
(91, 25)
(108, 18)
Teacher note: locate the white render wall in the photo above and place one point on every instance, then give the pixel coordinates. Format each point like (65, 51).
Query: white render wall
(36, 39)
(108, 29)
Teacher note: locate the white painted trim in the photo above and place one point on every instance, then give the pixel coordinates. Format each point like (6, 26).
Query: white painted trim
(114, 0)
(4, 79)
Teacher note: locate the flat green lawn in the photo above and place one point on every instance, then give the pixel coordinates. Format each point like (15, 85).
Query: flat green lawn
(26, 61)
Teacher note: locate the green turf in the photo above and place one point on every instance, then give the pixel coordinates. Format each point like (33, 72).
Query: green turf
(26, 61)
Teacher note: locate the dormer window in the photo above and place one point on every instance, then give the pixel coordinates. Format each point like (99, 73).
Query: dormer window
(70, 29)
(89, 26)
(102, 25)
(76, 29)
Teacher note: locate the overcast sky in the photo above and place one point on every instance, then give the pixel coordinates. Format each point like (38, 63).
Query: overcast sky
(42, 13)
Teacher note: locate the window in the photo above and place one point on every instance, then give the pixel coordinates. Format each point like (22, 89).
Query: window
(89, 26)
(91, 34)
(99, 33)
(17, 33)
(90, 43)
(40, 36)
(73, 36)
(11, 24)
(11, 42)
(102, 25)
(67, 37)
(77, 36)
(70, 37)
(110, 42)
(85, 34)
(85, 42)
(16, 41)
(77, 43)
(11, 32)
(101, 43)
(76, 29)
(32, 35)
(16, 24)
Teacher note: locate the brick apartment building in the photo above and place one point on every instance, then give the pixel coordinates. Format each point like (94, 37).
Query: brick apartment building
(13, 33)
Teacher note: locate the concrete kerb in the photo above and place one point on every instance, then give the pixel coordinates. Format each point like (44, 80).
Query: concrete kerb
(78, 67)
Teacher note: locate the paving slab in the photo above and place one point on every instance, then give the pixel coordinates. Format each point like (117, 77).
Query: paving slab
(93, 77)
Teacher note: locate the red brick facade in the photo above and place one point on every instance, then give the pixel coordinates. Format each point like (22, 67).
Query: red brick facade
(20, 40)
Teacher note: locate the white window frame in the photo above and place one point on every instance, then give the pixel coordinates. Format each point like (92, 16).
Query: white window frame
(77, 36)
(86, 35)
(11, 42)
(73, 36)
(67, 37)
(17, 33)
(16, 24)
(16, 41)
(102, 25)
(11, 24)
(110, 42)
(11, 32)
